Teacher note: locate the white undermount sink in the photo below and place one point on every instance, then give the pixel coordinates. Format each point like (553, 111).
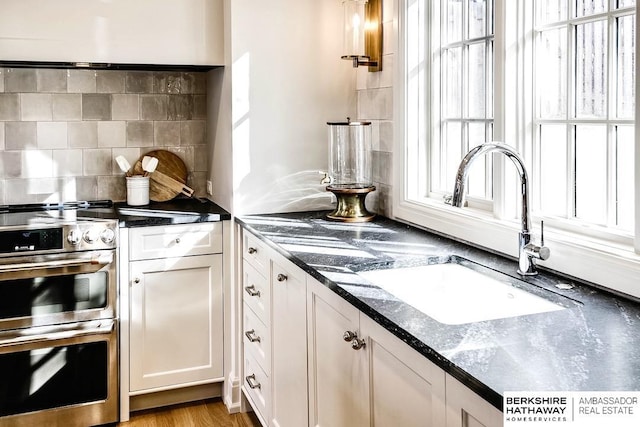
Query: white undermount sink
(454, 294)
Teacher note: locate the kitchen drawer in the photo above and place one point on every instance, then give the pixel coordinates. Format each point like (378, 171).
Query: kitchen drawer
(257, 340)
(256, 292)
(257, 387)
(254, 251)
(175, 241)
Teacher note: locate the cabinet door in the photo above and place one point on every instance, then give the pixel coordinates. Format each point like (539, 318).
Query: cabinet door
(338, 374)
(289, 344)
(185, 32)
(406, 389)
(176, 322)
(467, 409)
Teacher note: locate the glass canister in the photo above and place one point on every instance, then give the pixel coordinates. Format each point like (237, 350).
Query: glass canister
(350, 154)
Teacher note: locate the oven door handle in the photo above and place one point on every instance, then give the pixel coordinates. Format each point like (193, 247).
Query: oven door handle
(75, 330)
(103, 259)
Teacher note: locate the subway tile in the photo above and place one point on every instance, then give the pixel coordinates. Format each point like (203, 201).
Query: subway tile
(386, 136)
(139, 82)
(37, 164)
(51, 135)
(3, 72)
(200, 83)
(81, 81)
(9, 106)
(167, 82)
(140, 134)
(188, 83)
(83, 134)
(166, 133)
(201, 158)
(96, 161)
(112, 134)
(82, 188)
(96, 106)
(20, 80)
(112, 188)
(193, 132)
(376, 104)
(67, 106)
(12, 161)
(110, 81)
(19, 191)
(20, 135)
(1, 136)
(51, 80)
(382, 167)
(186, 154)
(180, 107)
(153, 107)
(199, 107)
(67, 162)
(198, 182)
(125, 107)
(36, 106)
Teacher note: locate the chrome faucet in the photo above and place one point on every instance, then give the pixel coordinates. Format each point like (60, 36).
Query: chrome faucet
(527, 251)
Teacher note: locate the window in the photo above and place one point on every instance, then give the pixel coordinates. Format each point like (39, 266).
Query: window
(553, 78)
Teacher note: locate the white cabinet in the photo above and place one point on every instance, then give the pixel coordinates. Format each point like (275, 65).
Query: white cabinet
(175, 314)
(467, 409)
(371, 379)
(274, 329)
(185, 32)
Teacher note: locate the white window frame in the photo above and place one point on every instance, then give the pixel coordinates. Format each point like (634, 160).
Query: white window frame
(602, 262)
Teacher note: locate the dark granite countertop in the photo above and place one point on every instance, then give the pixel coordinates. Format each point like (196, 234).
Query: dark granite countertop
(591, 345)
(176, 211)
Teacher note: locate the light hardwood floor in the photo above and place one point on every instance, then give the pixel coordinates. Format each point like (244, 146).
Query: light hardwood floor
(205, 413)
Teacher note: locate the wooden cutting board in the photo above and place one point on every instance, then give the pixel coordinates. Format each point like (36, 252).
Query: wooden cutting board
(169, 164)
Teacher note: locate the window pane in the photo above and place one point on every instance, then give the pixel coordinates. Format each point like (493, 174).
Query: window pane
(477, 18)
(454, 21)
(551, 73)
(551, 11)
(453, 154)
(591, 173)
(553, 170)
(453, 79)
(476, 82)
(625, 3)
(624, 177)
(626, 62)
(478, 172)
(591, 72)
(589, 7)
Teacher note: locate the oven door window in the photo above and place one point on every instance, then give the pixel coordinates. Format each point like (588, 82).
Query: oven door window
(53, 377)
(53, 294)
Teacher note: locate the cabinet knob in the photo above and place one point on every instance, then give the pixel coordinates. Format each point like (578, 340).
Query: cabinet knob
(349, 336)
(252, 250)
(251, 336)
(251, 380)
(177, 240)
(281, 277)
(136, 280)
(251, 290)
(358, 343)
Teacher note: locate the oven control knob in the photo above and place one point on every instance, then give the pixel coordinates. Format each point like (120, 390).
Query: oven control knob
(107, 235)
(74, 237)
(90, 235)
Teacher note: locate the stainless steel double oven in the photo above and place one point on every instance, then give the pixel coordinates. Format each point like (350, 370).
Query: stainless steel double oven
(58, 318)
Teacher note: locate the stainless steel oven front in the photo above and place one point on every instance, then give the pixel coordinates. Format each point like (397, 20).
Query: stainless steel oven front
(59, 339)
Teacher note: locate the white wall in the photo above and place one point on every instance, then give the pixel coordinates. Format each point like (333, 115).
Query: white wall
(284, 80)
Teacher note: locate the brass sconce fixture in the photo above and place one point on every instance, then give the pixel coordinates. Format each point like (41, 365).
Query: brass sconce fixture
(363, 33)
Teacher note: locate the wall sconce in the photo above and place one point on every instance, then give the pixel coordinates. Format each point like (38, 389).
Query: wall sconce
(363, 33)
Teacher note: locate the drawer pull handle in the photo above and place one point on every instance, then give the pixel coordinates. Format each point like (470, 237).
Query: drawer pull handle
(251, 336)
(252, 250)
(281, 277)
(251, 290)
(251, 380)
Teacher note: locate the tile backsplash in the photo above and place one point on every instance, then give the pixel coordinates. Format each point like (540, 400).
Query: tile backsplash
(60, 130)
